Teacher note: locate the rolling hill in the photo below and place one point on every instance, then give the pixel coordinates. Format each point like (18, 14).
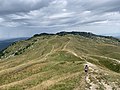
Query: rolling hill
(56, 62)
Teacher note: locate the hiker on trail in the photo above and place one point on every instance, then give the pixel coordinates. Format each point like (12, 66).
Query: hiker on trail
(86, 69)
(86, 72)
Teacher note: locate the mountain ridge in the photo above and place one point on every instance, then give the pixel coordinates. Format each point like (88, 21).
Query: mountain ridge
(86, 34)
(56, 61)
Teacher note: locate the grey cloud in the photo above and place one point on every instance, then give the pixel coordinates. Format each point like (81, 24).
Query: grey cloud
(103, 6)
(16, 6)
(59, 14)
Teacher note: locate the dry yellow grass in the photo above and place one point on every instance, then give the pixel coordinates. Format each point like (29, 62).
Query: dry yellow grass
(57, 63)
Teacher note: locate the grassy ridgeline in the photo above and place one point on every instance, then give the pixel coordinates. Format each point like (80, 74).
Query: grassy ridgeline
(56, 62)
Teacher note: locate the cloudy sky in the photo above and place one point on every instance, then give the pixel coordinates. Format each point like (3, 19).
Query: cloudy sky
(22, 18)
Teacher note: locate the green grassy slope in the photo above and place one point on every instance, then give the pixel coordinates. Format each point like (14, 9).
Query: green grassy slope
(56, 62)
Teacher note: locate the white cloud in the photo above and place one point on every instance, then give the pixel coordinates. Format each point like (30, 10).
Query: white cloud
(59, 3)
(61, 15)
(101, 22)
(64, 10)
(11, 24)
(1, 20)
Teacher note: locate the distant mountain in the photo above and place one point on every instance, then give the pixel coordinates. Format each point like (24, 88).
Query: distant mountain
(117, 36)
(6, 42)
